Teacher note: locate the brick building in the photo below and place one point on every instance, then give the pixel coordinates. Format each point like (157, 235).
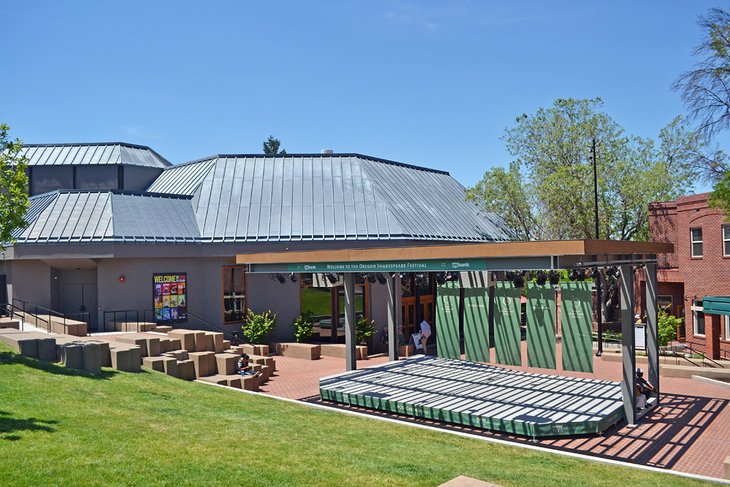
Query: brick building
(699, 267)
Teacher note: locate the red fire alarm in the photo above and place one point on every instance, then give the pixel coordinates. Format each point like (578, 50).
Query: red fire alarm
(122, 279)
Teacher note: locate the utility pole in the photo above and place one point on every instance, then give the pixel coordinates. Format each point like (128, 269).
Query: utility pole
(599, 294)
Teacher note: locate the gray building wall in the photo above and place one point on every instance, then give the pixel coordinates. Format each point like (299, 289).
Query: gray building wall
(30, 280)
(264, 294)
(379, 313)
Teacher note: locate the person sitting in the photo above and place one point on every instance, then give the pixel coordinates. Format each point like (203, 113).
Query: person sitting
(425, 333)
(243, 367)
(644, 390)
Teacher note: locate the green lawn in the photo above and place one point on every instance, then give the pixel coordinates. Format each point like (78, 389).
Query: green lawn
(58, 427)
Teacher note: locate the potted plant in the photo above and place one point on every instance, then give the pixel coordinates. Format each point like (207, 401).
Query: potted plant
(256, 327)
(303, 327)
(364, 329)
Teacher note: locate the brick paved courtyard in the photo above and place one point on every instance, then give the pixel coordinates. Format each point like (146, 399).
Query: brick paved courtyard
(689, 432)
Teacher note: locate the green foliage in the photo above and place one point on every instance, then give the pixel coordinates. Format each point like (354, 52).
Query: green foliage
(720, 197)
(256, 327)
(547, 193)
(46, 438)
(304, 326)
(13, 187)
(364, 329)
(271, 147)
(668, 325)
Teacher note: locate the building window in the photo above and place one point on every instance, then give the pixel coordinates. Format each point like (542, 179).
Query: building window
(698, 318)
(726, 326)
(726, 240)
(696, 242)
(234, 294)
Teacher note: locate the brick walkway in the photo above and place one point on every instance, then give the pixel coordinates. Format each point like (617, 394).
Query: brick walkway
(689, 432)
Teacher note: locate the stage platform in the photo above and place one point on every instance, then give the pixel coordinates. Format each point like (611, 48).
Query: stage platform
(480, 395)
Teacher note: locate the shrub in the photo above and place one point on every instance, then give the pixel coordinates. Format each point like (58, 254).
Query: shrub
(667, 325)
(364, 329)
(303, 326)
(257, 327)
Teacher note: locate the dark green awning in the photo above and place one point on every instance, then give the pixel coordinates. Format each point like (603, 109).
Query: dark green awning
(716, 305)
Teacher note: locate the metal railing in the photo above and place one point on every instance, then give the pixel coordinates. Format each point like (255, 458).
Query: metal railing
(37, 313)
(702, 356)
(128, 316)
(234, 336)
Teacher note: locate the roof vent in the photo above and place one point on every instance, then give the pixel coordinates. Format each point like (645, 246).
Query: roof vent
(326, 151)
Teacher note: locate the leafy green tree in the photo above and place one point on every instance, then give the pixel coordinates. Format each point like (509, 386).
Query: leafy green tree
(547, 193)
(304, 326)
(256, 327)
(13, 186)
(364, 329)
(668, 326)
(271, 147)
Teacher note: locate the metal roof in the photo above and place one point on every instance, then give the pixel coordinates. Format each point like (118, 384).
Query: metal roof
(108, 216)
(116, 153)
(241, 198)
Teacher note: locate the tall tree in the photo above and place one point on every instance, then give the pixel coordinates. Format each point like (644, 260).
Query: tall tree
(706, 93)
(547, 193)
(13, 186)
(271, 147)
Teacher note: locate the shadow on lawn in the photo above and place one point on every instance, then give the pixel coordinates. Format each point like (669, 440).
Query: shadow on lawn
(9, 358)
(9, 426)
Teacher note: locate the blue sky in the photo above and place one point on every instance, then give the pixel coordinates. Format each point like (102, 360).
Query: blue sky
(427, 83)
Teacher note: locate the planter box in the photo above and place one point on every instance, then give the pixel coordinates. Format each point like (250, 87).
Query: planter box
(304, 351)
(339, 350)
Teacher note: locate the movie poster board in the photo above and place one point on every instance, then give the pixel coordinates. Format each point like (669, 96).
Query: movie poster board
(170, 297)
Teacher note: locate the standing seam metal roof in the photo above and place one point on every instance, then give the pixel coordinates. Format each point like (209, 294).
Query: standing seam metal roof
(115, 153)
(325, 197)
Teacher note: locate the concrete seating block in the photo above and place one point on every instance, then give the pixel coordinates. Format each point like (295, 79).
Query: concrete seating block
(217, 341)
(224, 380)
(339, 350)
(170, 367)
(71, 356)
(186, 337)
(163, 329)
(186, 370)
(254, 349)
(127, 358)
(153, 346)
(92, 359)
(226, 363)
(204, 363)
(24, 345)
(156, 363)
(7, 322)
(257, 359)
(204, 342)
(305, 351)
(47, 349)
(249, 382)
(226, 344)
(267, 371)
(215, 379)
(139, 341)
(178, 354)
(165, 344)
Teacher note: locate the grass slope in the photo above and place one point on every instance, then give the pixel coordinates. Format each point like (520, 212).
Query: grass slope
(59, 427)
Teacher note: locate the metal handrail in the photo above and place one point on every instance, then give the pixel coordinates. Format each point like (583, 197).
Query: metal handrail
(27, 307)
(702, 354)
(233, 336)
(126, 312)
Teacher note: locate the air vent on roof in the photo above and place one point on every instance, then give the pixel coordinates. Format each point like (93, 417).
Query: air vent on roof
(327, 151)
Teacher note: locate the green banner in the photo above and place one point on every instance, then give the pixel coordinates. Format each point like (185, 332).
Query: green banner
(541, 317)
(576, 319)
(447, 321)
(507, 337)
(392, 266)
(476, 324)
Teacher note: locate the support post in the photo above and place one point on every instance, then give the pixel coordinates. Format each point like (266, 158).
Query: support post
(350, 361)
(628, 343)
(652, 327)
(392, 317)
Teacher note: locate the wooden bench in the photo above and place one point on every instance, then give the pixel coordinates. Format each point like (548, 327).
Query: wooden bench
(306, 351)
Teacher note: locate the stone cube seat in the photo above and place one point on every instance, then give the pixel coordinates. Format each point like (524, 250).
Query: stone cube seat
(186, 337)
(305, 351)
(204, 363)
(30, 344)
(254, 349)
(339, 350)
(258, 359)
(178, 354)
(157, 363)
(217, 340)
(224, 380)
(226, 363)
(186, 369)
(162, 328)
(125, 357)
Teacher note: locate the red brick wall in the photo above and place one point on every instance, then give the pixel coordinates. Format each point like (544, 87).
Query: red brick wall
(705, 276)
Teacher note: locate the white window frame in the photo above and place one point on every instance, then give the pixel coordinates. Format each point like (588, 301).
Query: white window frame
(726, 327)
(693, 242)
(696, 309)
(725, 240)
